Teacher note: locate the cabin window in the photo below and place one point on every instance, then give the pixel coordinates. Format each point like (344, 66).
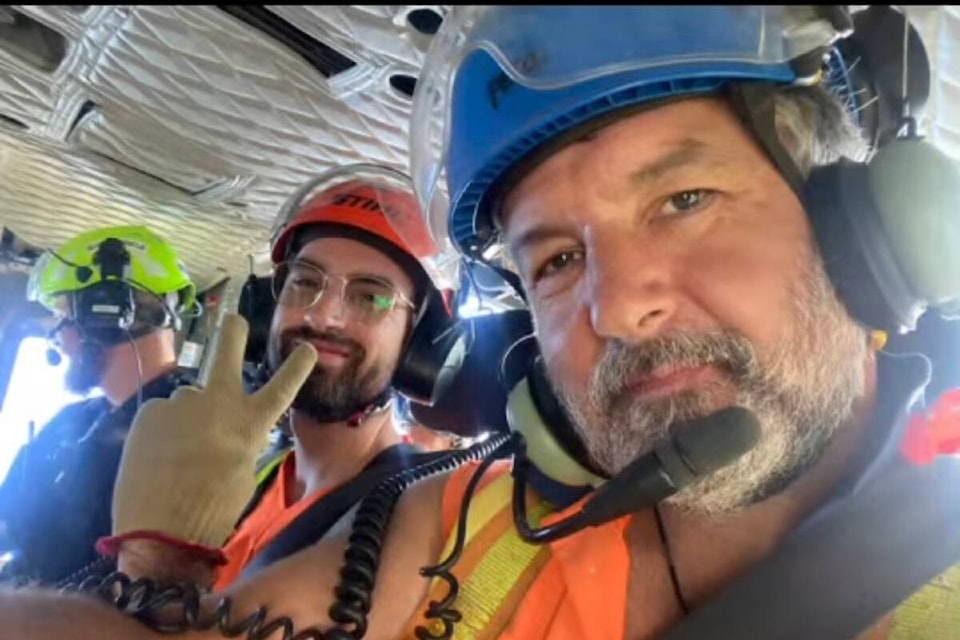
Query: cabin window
(36, 393)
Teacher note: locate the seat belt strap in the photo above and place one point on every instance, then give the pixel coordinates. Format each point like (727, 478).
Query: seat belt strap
(311, 525)
(849, 568)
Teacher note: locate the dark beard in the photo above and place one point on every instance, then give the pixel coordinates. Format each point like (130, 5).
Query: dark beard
(84, 371)
(329, 397)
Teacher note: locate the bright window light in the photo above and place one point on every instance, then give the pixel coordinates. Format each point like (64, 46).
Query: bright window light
(36, 393)
(472, 307)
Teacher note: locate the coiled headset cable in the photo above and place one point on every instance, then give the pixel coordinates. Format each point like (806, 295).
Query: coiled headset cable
(443, 610)
(142, 598)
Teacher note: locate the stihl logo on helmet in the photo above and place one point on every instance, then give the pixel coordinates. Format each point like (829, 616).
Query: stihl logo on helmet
(354, 200)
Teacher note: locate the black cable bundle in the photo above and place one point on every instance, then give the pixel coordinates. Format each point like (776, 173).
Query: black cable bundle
(142, 598)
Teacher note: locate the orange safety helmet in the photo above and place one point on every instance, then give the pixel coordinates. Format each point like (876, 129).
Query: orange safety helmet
(375, 208)
(373, 199)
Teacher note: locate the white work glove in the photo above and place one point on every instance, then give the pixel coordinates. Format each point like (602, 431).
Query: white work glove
(188, 466)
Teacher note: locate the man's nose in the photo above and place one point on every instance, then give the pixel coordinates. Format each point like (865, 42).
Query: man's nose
(329, 312)
(631, 289)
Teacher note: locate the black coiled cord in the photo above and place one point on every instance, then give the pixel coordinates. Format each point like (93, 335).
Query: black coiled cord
(444, 610)
(96, 570)
(142, 598)
(362, 557)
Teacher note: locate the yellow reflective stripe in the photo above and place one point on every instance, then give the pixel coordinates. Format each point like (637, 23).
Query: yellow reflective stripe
(933, 612)
(485, 505)
(268, 468)
(499, 568)
(492, 591)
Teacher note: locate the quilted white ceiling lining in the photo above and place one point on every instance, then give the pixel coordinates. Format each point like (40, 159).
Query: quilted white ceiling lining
(227, 120)
(230, 122)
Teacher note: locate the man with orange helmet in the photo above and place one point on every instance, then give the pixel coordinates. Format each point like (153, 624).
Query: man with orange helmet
(353, 276)
(361, 315)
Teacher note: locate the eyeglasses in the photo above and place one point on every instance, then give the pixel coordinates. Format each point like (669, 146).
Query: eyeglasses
(365, 298)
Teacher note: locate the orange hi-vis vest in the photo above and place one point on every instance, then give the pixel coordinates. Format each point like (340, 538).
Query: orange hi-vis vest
(271, 516)
(575, 588)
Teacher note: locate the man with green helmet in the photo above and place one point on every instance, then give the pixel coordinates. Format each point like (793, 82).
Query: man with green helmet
(118, 294)
(145, 286)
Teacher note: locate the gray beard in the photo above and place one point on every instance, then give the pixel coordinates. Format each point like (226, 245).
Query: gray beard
(801, 393)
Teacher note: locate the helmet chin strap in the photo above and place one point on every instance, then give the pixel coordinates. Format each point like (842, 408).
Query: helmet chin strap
(381, 402)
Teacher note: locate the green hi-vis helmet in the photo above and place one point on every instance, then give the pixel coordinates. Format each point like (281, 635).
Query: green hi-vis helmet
(153, 267)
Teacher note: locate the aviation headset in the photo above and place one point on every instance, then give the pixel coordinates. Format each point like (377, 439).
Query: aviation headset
(890, 249)
(111, 304)
(436, 347)
(99, 277)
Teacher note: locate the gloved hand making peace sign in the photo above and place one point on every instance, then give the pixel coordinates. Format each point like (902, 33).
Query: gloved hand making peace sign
(188, 466)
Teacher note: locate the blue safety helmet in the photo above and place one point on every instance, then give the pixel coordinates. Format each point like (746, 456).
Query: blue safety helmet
(499, 82)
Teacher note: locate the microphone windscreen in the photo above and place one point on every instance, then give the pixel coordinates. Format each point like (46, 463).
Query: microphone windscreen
(53, 357)
(729, 434)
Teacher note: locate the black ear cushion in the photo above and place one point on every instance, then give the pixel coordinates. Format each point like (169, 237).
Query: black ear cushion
(854, 249)
(553, 414)
(433, 355)
(500, 349)
(256, 306)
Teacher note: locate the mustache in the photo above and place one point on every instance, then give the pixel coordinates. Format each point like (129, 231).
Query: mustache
(289, 336)
(623, 363)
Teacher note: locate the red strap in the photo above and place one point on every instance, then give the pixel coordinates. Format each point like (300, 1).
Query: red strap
(109, 546)
(936, 432)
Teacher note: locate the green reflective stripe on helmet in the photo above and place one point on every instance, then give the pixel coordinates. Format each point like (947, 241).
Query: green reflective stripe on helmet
(154, 266)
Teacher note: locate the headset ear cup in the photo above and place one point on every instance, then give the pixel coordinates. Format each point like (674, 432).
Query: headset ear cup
(434, 354)
(552, 444)
(916, 191)
(888, 232)
(854, 248)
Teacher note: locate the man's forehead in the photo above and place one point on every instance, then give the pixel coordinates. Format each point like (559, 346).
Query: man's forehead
(350, 257)
(640, 148)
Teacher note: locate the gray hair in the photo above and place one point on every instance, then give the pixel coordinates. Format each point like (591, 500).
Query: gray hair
(814, 127)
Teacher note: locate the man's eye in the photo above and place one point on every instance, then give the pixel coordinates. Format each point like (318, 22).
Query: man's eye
(687, 201)
(305, 283)
(558, 263)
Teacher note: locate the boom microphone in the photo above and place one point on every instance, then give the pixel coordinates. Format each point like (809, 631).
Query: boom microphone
(697, 449)
(53, 357)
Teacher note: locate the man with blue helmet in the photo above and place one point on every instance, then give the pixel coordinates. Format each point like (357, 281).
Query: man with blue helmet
(696, 223)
